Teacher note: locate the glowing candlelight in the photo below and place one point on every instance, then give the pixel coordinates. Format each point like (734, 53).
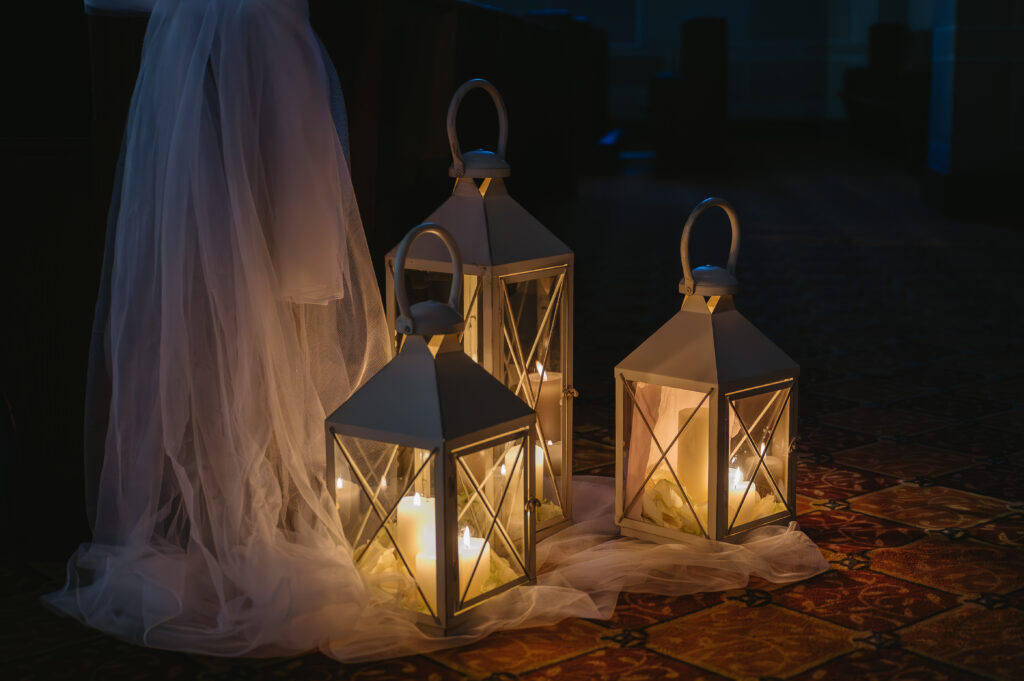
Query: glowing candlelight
(346, 499)
(469, 549)
(737, 489)
(555, 454)
(546, 387)
(537, 468)
(416, 526)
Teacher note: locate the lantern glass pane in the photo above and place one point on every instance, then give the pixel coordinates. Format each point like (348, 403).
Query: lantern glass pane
(666, 450)
(492, 519)
(422, 285)
(384, 495)
(759, 441)
(532, 362)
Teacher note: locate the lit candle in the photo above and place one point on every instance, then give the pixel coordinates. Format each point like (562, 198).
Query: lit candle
(346, 498)
(469, 549)
(538, 468)
(737, 489)
(546, 387)
(416, 526)
(511, 514)
(772, 464)
(777, 469)
(426, 575)
(691, 445)
(555, 453)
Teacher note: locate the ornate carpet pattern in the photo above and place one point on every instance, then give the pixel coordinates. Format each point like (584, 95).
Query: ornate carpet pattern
(911, 462)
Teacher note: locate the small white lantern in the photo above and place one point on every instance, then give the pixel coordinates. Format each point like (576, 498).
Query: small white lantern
(429, 463)
(705, 416)
(517, 285)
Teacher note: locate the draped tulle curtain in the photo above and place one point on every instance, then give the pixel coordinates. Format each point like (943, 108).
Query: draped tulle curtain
(238, 306)
(242, 304)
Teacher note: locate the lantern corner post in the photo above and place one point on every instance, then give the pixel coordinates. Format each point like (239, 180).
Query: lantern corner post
(530, 512)
(445, 536)
(791, 456)
(620, 445)
(493, 341)
(569, 388)
(718, 467)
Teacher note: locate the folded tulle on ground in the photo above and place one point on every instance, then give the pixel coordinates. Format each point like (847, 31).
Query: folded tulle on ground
(583, 569)
(314, 597)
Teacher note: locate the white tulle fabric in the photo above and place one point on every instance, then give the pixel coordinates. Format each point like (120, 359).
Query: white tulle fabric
(243, 306)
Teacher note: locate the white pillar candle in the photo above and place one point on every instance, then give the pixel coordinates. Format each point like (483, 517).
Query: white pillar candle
(426, 575)
(776, 467)
(510, 515)
(737, 490)
(346, 499)
(536, 468)
(773, 464)
(469, 549)
(539, 471)
(546, 387)
(555, 452)
(416, 526)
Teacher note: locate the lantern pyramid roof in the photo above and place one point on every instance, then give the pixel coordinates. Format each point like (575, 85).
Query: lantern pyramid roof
(422, 400)
(705, 347)
(490, 227)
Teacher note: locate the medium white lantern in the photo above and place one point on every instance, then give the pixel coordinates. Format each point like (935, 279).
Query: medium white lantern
(431, 469)
(705, 416)
(517, 291)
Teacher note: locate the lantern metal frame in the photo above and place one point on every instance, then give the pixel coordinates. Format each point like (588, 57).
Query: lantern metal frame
(436, 399)
(502, 244)
(707, 348)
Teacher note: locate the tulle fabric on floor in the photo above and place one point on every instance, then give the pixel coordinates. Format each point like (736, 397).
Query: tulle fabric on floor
(583, 569)
(238, 306)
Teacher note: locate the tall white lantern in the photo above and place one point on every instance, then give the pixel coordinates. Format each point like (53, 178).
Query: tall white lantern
(705, 416)
(517, 292)
(430, 464)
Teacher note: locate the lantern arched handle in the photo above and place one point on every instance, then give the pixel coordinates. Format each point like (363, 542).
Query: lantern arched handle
(405, 320)
(453, 109)
(684, 242)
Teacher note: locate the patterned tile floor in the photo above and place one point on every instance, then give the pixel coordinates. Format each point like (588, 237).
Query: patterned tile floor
(911, 450)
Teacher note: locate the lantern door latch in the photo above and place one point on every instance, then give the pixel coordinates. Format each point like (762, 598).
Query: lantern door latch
(571, 392)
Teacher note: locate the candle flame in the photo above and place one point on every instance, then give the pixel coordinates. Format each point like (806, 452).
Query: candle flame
(736, 480)
(465, 537)
(416, 499)
(503, 470)
(763, 445)
(339, 483)
(540, 369)
(550, 443)
(383, 483)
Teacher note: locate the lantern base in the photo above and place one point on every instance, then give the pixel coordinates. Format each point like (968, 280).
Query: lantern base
(659, 535)
(469, 619)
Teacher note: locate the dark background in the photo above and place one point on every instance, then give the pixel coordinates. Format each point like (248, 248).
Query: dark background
(669, 88)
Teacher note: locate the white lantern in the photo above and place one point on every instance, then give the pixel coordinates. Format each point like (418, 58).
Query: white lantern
(705, 416)
(517, 291)
(430, 464)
